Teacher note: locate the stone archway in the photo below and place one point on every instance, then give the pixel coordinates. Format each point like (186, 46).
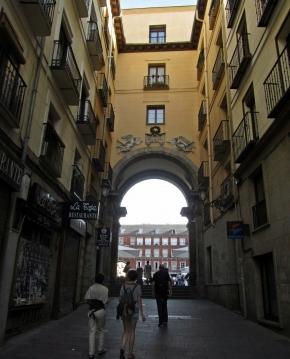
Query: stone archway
(163, 164)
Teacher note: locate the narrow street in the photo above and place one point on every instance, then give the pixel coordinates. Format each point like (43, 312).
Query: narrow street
(197, 329)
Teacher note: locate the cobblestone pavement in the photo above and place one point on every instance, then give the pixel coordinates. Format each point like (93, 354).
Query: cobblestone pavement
(197, 329)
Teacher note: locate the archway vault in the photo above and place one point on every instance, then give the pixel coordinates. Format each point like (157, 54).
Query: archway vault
(158, 163)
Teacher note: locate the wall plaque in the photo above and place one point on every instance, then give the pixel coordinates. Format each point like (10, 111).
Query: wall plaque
(103, 237)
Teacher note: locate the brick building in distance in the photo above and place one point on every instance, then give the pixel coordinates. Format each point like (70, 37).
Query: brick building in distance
(155, 243)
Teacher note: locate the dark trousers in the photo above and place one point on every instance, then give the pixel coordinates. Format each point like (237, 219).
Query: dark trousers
(161, 301)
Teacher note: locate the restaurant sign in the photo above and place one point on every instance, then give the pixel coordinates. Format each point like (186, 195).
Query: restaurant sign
(11, 171)
(235, 230)
(86, 210)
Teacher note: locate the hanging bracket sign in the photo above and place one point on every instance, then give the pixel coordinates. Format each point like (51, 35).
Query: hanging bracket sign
(86, 210)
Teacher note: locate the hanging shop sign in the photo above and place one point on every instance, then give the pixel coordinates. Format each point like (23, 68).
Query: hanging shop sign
(103, 237)
(235, 230)
(79, 226)
(44, 202)
(82, 210)
(11, 171)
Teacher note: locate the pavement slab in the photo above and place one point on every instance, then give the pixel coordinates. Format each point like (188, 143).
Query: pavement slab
(197, 329)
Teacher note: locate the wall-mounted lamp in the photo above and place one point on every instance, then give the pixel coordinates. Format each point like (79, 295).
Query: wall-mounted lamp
(106, 189)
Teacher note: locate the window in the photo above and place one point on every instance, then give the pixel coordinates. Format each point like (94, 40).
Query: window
(259, 210)
(173, 241)
(164, 253)
(268, 284)
(165, 241)
(157, 34)
(173, 265)
(156, 241)
(182, 241)
(156, 252)
(165, 264)
(147, 252)
(132, 241)
(147, 241)
(156, 75)
(182, 265)
(139, 241)
(121, 240)
(156, 265)
(155, 115)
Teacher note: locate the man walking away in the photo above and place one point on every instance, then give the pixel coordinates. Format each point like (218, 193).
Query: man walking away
(161, 289)
(147, 272)
(96, 297)
(139, 271)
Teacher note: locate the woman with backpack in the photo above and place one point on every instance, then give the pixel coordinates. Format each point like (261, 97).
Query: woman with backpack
(131, 304)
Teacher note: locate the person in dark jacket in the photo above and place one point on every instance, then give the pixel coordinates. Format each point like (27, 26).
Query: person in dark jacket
(161, 286)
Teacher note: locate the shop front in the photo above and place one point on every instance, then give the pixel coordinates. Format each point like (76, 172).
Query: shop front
(35, 269)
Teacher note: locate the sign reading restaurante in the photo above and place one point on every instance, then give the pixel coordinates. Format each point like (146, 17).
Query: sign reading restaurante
(82, 210)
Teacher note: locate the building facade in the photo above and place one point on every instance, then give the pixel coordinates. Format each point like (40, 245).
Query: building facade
(155, 244)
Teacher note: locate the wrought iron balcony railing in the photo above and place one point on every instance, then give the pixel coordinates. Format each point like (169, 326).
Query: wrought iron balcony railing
(66, 71)
(110, 117)
(52, 151)
(155, 82)
(221, 142)
(40, 14)
(78, 182)
(202, 115)
(213, 13)
(231, 11)
(264, 10)
(87, 122)
(218, 69)
(240, 61)
(99, 155)
(277, 86)
(259, 211)
(245, 136)
(95, 45)
(12, 90)
(102, 87)
(203, 175)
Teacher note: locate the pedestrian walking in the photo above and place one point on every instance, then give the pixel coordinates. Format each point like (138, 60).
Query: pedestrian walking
(162, 288)
(126, 268)
(131, 301)
(96, 297)
(139, 271)
(147, 272)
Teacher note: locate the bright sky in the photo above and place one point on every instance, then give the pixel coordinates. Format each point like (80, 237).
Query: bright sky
(153, 202)
(125, 4)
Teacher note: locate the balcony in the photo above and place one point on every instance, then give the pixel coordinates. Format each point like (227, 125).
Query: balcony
(202, 115)
(259, 212)
(102, 88)
(52, 151)
(110, 117)
(277, 87)
(156, 82)
(264, 10)
(99, 155)
(66, 72)
(87, 122)
(203, 175)
(221, 142)
(107, 179)
(231, 11)
(83, 7)
(218, 69)
(77, 183)
(245, 136)
(213, 13)
(200, 64)
(95, 46)
(39, 14)
(12, 91)
(240, 61)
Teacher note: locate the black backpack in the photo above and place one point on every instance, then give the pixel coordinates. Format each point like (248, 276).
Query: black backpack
(126, 306)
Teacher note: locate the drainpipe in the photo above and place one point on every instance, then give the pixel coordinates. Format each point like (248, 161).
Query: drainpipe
(12, 235)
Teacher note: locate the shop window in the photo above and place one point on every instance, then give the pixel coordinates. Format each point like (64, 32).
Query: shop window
(155, 115)
(157, 34)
